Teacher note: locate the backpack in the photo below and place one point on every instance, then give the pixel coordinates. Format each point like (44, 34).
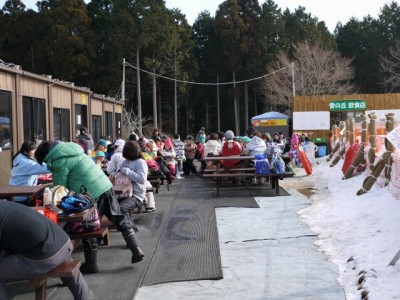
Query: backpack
(80, 202)
(261, 164)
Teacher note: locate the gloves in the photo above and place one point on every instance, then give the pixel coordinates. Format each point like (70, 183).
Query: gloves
(125, 171)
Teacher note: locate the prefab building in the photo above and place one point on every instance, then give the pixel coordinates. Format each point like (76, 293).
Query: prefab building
(37, 108)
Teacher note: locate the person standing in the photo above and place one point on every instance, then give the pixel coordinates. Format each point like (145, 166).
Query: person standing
(190, 152)
(200, 136)
(33, 247)
(86, 141)
(180, 154)
(73, 169)
(26, 169)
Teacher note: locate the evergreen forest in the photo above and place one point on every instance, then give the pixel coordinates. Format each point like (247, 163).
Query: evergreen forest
(85, 43)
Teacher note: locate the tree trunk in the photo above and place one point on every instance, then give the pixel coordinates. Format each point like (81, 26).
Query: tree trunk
(235, 104)
(175, 98)
(218, 112)
(160, 124)
(154, 100)
(246, 106)
(139, 95)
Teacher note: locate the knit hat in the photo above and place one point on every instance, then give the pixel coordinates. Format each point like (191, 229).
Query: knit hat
(102, 142)
(229, 135)
(168, 143)
(246, 139)
(100, 154)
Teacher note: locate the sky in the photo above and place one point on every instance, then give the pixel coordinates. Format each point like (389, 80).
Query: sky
(330, 12)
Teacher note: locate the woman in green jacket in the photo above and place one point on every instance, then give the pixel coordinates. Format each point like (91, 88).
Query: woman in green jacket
(72, 168)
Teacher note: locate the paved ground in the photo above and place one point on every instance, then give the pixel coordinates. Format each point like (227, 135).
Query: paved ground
(266, 253)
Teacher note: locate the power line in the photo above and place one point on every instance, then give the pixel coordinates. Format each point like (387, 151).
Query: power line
(206, 83)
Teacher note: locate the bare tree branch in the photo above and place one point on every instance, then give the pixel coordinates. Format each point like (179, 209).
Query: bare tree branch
(391, 67)
(317, 72)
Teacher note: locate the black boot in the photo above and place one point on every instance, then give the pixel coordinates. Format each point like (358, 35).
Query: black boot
(132, 243)
(90, 264)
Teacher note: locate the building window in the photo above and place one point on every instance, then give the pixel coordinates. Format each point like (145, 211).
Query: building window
(109, 127)
(96, 128)
(80, 118)
(62, 124)
(118, 125)
(5, 120)
(34, 120)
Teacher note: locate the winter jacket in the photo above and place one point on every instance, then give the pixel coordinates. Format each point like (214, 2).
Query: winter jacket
(87, 143)
(72, 168)
(212, 146)
(116, 160)
(255, 146)
(25, 171)
(179, 148)
(190, 150)
(200, 137)
(230, 148)
(138, 175)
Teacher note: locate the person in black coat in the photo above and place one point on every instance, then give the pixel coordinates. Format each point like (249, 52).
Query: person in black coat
(31, 245)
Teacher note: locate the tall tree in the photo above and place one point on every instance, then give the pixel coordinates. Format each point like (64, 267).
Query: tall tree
(235, 44)
(391, 68)
(66, 48)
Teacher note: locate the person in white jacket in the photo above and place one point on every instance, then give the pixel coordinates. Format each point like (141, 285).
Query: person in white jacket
(213, 145)
(116, 160)
(256, 145)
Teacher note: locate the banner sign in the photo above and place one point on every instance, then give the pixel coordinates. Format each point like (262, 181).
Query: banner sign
(270, 122)
(394, 137)
(347, 105)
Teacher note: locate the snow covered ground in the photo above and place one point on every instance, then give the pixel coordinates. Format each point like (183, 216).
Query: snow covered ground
(360, 234)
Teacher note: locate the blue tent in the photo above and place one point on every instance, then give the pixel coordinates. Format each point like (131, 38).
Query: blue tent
(270, 115)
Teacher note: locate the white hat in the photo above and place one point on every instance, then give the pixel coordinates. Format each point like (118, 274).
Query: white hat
(119, 143)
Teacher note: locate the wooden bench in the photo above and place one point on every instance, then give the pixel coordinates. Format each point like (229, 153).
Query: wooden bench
(156, 184)
(65, 269)
(273, 178)
(160, 177)
(103, 233)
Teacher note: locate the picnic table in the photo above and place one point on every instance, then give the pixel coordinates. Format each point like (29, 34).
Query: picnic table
(239, 171)
(17, 190)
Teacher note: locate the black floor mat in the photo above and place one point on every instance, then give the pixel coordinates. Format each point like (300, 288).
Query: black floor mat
(188, 248)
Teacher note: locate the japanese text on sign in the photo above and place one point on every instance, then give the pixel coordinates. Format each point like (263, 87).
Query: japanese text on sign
(348, 105)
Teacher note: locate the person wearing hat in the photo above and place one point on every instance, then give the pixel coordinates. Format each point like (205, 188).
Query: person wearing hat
(116, 160)
(101, 160)
(101, 146)
(230, 148)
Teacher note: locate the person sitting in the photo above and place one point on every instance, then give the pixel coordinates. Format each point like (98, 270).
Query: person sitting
(31, 245)
(73, 169)
(114, 164)
(168, 154)
(211, 147)
(101, 161)
(230, 148)
(26, 169)
(256, 145)
(101, 146)
(135, 168)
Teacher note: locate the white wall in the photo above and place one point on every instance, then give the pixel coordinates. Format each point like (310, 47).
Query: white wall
(311, 120)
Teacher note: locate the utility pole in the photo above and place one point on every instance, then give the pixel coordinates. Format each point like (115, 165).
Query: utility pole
(139, 93)
(293, 86)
